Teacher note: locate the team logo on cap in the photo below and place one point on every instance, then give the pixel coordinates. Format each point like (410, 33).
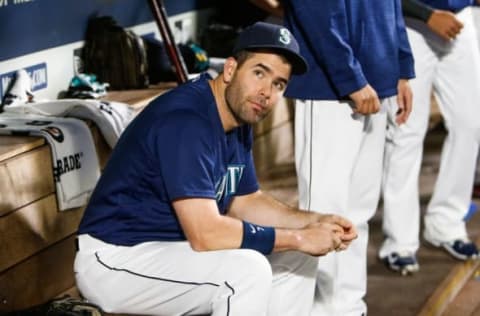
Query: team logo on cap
(285, 36)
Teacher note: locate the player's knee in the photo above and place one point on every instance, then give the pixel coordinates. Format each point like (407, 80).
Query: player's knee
(254, 267)
(294, 262)
(308, 265)
(249, 283)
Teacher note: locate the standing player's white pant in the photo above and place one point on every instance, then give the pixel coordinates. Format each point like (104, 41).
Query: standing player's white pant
(454, 71)
(338, 158)
(476, 21)
(169, 278)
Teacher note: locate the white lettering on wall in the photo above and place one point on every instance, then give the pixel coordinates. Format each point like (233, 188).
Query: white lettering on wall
(39, 77)
(4, 3)
(5, 82)
(21, 1)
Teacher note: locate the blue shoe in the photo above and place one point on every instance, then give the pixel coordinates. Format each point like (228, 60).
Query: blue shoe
(403, 262)
(461, 249)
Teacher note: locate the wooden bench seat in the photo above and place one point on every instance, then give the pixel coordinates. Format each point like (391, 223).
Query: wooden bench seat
(36, 239)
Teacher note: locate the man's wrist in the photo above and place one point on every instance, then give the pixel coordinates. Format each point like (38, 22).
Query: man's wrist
(257, 237)
(288, 239)
(417, 10)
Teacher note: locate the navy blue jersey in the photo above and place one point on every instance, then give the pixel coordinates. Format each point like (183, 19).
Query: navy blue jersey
(347, 44)
(451, 5)
(175, 148)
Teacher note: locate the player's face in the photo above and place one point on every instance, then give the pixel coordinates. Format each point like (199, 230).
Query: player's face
(256, 86)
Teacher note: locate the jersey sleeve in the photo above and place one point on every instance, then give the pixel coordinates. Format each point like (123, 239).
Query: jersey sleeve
(329, 41)
(406, 61)
(417, 10)
(184, 150)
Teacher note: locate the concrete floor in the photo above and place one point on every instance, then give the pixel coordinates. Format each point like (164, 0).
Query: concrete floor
(443, 286)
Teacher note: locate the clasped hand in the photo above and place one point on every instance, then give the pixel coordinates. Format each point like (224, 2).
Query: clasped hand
(328, 233)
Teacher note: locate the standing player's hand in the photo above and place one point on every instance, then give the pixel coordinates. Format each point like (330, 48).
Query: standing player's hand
(445, 24)
(365, 100)
(404, 101)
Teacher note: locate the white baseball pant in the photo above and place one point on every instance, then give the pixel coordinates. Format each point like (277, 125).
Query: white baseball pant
(169, 278)
(338, 158)
(453, 70)
(476, 20)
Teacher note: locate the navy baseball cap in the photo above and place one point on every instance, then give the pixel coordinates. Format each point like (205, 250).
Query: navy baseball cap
(272, 36)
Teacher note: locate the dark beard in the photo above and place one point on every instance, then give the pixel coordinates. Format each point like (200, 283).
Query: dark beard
(234, 113)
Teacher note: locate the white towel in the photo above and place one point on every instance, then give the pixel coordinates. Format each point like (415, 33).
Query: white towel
(110, 117)
(75, 163)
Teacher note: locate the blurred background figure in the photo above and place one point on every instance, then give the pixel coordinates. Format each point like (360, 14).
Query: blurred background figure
(229, 21)
(447, 59)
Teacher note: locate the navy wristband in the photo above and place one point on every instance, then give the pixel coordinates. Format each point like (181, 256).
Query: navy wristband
(256, 237)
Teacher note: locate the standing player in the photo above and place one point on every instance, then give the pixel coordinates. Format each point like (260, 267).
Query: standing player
(177, 224)
(360, 61)
(476, 18)
(444, 45)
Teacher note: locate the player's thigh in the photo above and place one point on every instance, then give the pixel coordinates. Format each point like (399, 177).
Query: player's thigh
(167, 274)
(457, 81)
(337, 134)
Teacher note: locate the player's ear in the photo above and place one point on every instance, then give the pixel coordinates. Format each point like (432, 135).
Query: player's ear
(229, 69)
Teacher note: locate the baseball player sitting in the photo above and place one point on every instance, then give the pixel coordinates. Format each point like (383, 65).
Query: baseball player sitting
(177, 224)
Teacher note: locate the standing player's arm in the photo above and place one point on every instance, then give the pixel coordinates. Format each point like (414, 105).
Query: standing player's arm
(273, 7)
(326, 27)
(404, 101)
(416, 10)
(206, 229)
(366, 100)
(444, 23)
(406, 67)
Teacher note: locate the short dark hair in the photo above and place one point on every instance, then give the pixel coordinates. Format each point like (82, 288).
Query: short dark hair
(242, 56)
